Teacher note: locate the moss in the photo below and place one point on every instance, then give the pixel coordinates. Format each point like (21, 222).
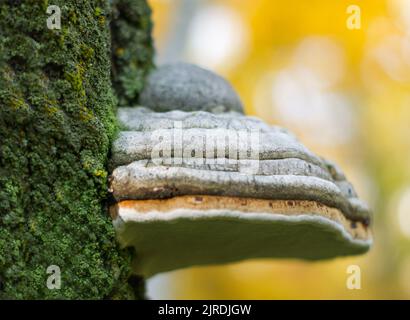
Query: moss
(131, 48)
(56, 124)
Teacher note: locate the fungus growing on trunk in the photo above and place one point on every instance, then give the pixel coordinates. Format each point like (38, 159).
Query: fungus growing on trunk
(194, 187)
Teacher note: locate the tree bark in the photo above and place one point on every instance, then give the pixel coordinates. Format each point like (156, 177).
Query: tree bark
(57, 120)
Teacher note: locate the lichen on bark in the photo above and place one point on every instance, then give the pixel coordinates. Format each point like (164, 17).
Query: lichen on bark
(57, 121)
(131, 48)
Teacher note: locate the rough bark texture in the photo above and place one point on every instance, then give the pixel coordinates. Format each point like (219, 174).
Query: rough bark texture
(56, 125)
(131, 48)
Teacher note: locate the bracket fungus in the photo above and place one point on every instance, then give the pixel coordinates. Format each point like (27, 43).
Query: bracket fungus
(187, 87)
(193, 186)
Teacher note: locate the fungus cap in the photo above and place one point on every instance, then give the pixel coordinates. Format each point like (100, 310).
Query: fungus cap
(181, 211)
(188, 87)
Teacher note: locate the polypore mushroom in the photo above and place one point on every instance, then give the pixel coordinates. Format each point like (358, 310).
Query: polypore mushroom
(188, 87)
(195, 187)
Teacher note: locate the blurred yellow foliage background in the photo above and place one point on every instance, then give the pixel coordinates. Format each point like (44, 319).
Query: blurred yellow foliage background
(344, 92)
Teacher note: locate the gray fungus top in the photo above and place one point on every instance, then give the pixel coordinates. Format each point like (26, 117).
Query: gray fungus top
(187, 87)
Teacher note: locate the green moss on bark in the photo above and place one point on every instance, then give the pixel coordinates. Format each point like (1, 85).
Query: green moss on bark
(56, 124)
(131, 47)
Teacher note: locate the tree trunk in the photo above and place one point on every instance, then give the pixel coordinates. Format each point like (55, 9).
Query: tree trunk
(57, 120)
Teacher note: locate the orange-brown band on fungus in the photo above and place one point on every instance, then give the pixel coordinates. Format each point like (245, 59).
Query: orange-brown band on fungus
(356, 229)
